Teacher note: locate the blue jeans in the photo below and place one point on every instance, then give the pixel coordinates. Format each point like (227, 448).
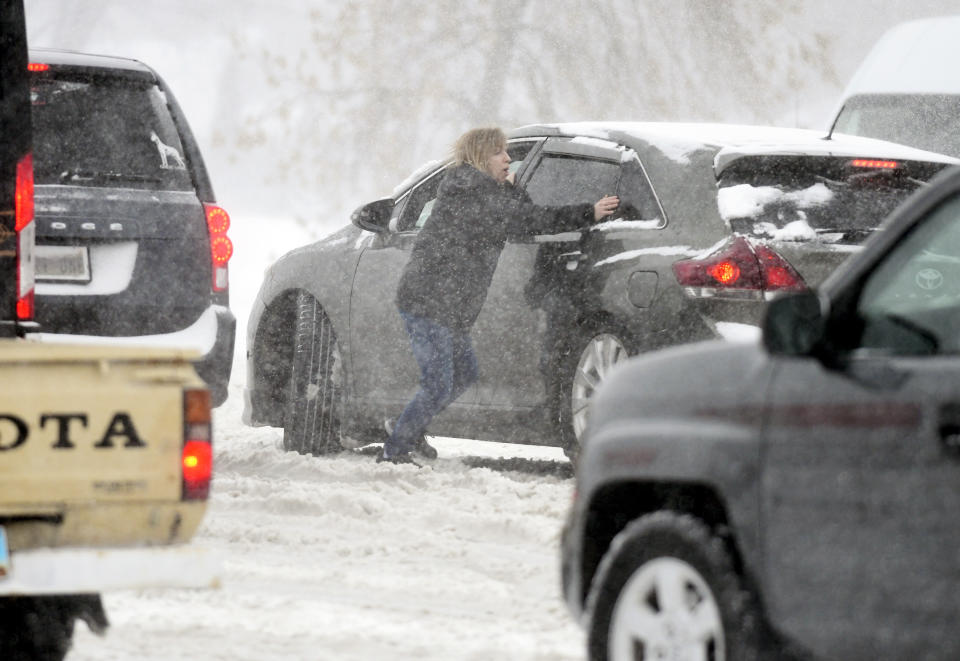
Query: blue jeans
(448, 367)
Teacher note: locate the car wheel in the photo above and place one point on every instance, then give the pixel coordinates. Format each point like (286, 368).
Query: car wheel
(314, 407)
(585, 370)
(34, 629)
(666, 589)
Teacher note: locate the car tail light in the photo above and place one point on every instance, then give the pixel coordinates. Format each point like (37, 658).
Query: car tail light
(197, 455)
(737, 269)
(874, 164)
(221, 248)
(38, 66)
(26, 230)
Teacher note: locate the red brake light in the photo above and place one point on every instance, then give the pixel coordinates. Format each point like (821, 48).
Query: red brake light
(38, 66)
(874, 164)
(197, 454)
(218, 220)
(197, 461)
(25, 231)
(737, 266)
(221, 248)
(777, 272)
(725, 273)
(24, 193)
(25, 307)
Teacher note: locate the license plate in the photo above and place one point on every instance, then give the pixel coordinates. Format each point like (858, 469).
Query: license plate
(4, 553)
(63, 263)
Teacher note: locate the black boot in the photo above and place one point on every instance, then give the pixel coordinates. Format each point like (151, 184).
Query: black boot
(420, 447)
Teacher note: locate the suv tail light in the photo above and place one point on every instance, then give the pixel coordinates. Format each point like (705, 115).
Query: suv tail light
(221, 248)
(197, 454)
(737, 269)
(26, 231)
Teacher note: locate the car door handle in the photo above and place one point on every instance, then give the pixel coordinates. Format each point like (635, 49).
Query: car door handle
(571, 259)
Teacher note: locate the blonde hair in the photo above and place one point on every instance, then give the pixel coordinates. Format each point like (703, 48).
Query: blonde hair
(476, 146)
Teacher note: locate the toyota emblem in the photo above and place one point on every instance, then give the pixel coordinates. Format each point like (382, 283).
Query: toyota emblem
(929, 279)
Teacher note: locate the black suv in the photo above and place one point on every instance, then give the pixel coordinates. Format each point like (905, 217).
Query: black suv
(130, 242)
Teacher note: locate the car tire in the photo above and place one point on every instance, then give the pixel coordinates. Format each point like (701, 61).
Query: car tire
(583, 369)
(312, 421)
(35, 629)
(664, 574)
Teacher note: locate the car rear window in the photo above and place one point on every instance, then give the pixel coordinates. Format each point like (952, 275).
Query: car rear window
(103, 131)
(815, 198)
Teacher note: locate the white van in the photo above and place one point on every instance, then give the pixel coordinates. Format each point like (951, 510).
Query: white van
(907, 89)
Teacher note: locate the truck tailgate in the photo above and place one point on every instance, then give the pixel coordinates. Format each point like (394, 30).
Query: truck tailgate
(91, 442)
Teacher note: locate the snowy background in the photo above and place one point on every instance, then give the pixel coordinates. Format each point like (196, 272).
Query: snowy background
(305, 109)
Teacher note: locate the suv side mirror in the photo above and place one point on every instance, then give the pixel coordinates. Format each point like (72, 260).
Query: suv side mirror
(374, 216)
(794, 324)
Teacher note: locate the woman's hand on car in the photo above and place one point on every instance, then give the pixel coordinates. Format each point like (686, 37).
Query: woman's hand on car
(605, 207)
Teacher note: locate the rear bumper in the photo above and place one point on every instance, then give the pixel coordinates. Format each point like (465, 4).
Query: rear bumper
(95, 570)
(212, 335)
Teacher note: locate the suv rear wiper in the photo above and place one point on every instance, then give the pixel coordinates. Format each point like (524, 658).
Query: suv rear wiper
(80, 174)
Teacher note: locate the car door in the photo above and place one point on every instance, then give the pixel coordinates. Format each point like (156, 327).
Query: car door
(382, 364)
(386, 376)
(861, 488)
(511, 332)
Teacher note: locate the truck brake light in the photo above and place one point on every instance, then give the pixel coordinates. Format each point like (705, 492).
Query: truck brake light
(24, 192)
(25, 230)
(221, 248)
(197, 454)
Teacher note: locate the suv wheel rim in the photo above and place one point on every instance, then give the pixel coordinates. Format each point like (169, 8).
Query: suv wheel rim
(666, 610)
(599, 356)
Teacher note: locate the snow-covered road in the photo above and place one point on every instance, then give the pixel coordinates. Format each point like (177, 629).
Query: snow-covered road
(342, 558)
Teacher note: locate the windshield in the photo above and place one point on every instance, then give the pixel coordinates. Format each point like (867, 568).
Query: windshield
(99, 131)
(925, 121)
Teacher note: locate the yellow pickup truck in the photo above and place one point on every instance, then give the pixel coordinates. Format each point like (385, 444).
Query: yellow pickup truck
(105, 468)
(105, 451)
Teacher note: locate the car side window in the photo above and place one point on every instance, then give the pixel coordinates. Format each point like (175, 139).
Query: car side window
(561, 179)
(418, 206)
(637, 199)
(419, 203)
(910, 304)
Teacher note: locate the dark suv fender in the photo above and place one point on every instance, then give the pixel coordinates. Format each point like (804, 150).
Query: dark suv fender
(628, 470)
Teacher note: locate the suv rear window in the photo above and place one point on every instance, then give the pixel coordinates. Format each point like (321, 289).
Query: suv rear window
(102, 131)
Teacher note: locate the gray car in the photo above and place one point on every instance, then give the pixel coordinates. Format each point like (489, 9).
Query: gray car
(791, 498)
(713, 220)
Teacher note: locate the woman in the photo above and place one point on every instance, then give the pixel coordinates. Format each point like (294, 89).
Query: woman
(445, 283)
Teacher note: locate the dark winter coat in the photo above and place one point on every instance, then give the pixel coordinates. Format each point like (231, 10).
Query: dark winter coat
(456, 252)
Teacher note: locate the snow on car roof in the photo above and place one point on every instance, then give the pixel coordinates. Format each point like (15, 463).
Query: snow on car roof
(679, 140)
